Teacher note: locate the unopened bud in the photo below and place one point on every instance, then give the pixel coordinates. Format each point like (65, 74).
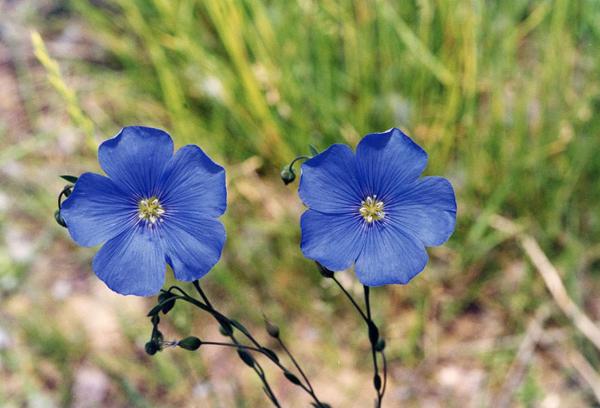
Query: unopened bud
(190, 343)
(287, 175)
(151, 347)
(272, 329)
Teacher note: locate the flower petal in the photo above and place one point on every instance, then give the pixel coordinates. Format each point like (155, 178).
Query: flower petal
(427, 209)
(135, 158)
(193, 245)
(390, 256)
(97, 210)
(329, 181)
(192, 182)
(388, 159)
(132, 263)
(333, 240)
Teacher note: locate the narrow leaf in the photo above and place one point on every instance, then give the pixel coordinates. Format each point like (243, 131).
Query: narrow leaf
(70, 179)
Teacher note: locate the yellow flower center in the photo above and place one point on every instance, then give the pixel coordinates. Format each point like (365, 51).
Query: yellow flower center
(150, 210)
(371, 209)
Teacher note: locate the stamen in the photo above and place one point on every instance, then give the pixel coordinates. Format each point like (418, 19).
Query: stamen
(150, 210)
(371, 209)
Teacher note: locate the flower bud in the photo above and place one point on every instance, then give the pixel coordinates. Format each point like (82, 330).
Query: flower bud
(377, 382)
(272, 329)
(246, 357)
(292, 378)
(151, 348)
(287, 175)
(190, 343)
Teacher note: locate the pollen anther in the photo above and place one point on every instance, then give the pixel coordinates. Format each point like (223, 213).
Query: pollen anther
(371, 209)
(150, 210)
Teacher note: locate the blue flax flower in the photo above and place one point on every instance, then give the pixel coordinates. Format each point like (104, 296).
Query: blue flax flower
(154, 208)
(373, 210)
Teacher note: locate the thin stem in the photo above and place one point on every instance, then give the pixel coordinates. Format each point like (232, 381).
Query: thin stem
(351, 299)
(307, 388)
(283, 346)
(296, 159)
(63, 193)
(373, 351)
(369, 321)
(256, 367)
(384, 362)
(202, 294)
(233, 345)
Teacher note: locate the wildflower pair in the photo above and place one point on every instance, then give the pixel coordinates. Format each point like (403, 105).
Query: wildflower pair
(370, 209)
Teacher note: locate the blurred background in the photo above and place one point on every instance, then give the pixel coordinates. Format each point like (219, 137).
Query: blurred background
(504, 95)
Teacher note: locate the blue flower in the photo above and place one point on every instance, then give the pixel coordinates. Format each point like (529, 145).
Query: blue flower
(154, 208)
(373, 210)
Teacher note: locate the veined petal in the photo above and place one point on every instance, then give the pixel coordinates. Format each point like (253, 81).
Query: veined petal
(333, 240)
(329, 181)
(193, 245)
(427, 209)
(390, 256)
(136, 157)
(386, 160)
(193, 183)
(97, 210)
(132, 263)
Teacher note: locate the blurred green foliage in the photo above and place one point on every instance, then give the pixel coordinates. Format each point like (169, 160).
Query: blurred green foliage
(503, 95)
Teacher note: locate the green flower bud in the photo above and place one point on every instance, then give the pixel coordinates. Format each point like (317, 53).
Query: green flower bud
(151, 348)
(190, 343)
(287, 175)
(272, 329)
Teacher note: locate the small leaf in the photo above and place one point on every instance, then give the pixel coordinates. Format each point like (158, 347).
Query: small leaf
(377, 382)
(246, 357)
(373, 333)
(190, 343)
(313, 150)
(292, 378)
(164, 297)
(154, 311)
(70, 179)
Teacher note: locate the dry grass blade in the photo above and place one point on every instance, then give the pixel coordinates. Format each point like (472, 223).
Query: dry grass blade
(526, 352)
(574, 360)
(551, 278)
